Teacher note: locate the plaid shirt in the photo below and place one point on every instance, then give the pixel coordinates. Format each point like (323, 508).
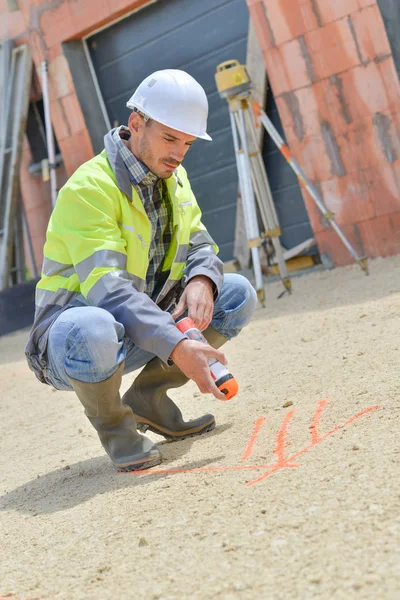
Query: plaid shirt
(154, 195)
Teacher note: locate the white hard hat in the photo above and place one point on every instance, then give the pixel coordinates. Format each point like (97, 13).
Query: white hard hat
(174, 99)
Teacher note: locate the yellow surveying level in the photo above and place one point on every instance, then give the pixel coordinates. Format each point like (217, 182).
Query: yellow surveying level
(232, 79)
(234, 85)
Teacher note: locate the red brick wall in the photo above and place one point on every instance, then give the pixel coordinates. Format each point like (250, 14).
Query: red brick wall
(338, 94)
(50, 24)
(337, 91)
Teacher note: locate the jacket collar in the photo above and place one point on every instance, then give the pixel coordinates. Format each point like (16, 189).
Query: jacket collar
(117, 164)
(120, 170)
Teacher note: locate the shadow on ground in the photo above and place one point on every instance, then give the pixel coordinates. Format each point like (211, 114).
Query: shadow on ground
(74, 484)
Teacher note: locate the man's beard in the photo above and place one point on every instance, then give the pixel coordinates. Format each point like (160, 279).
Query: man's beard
(147, 158)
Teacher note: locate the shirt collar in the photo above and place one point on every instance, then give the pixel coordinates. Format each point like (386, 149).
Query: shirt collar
(138, 172)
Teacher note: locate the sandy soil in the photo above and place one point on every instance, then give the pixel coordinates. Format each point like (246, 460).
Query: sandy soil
(323, 521)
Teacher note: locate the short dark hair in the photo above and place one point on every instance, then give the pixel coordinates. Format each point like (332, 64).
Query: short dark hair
(146, 119)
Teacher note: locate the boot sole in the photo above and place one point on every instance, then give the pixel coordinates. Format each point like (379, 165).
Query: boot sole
(144, 425)
(140, 465)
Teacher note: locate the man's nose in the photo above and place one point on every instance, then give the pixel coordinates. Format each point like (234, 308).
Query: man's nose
(179, 152)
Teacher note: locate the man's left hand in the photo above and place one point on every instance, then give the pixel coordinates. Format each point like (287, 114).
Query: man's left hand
(198, 298)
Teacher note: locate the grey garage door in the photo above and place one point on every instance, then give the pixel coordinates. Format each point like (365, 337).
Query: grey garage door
(193, 35)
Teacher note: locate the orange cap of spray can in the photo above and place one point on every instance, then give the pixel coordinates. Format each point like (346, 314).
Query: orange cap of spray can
(224, 380)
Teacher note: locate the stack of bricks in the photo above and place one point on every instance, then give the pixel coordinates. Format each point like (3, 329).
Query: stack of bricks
(338, 94)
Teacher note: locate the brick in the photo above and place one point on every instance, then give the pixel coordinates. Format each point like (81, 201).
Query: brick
(330, 244)
(120, 6)
(332, 48)
(54, 52)
(394, 220)
(334, 103)
(299, 114)
(333, 10)
(387, 137)
(260, 26)
(313, 212)
(277, 17)
(365, 90)
(309, 15)
(365, 3)
(295, 63)
(309, 110)
(348, 198)
(358, 147)
(73, 113)
(380, 236)
(60, 79)
(38, 220)
(58, 118)
(36, 48)
(390, 81)
(76, 150)
(284, 112)
(11, 23)
(88, 11)
(314, 159)
(370, 33)
(277, 71)
(384, 189)
(288, 19)
(57, 24)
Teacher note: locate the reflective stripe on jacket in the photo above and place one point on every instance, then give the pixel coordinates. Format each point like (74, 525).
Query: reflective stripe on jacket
(96, 254)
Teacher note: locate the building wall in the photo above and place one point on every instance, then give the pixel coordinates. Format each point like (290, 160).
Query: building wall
(331, 69)
(44, 25)
(35, 193)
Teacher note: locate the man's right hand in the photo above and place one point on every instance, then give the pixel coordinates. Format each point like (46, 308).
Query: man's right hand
(192, 359)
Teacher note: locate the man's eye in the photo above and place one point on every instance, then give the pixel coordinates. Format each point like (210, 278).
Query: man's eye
(167, 140)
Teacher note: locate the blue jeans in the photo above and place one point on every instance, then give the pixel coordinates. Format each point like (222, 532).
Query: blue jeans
(88, 344)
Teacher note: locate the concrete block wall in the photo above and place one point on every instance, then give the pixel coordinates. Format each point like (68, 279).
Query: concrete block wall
(331, 69)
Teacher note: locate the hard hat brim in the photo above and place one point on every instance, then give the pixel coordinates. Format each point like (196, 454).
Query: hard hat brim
(205, 136)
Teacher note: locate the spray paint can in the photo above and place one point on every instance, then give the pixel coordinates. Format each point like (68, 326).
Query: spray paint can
(224, 380)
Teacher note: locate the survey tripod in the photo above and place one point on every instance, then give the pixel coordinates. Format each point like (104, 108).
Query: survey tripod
(233, 84)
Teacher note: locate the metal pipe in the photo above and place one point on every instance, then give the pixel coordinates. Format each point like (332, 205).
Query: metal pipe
(49, 134)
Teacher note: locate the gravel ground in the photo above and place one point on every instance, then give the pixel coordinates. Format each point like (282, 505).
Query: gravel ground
(295, 495)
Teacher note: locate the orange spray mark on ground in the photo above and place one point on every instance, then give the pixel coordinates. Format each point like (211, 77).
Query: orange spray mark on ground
(315, 438)
(280, 451)
(257, 428)
(9, 376)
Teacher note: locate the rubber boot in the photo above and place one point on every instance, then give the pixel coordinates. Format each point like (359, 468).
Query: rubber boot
(154, 409)
(115, 424)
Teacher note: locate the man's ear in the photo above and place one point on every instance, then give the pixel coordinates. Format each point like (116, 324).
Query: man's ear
(135, 123)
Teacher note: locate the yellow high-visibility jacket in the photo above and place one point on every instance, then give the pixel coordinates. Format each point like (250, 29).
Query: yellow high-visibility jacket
(96, 254)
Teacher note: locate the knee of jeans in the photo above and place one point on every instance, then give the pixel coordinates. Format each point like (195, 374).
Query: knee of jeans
(249, 302)
(236, 306)
(95, 338)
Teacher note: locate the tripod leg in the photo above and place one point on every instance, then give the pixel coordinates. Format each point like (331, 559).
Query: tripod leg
(264, 198)
(249, 209)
